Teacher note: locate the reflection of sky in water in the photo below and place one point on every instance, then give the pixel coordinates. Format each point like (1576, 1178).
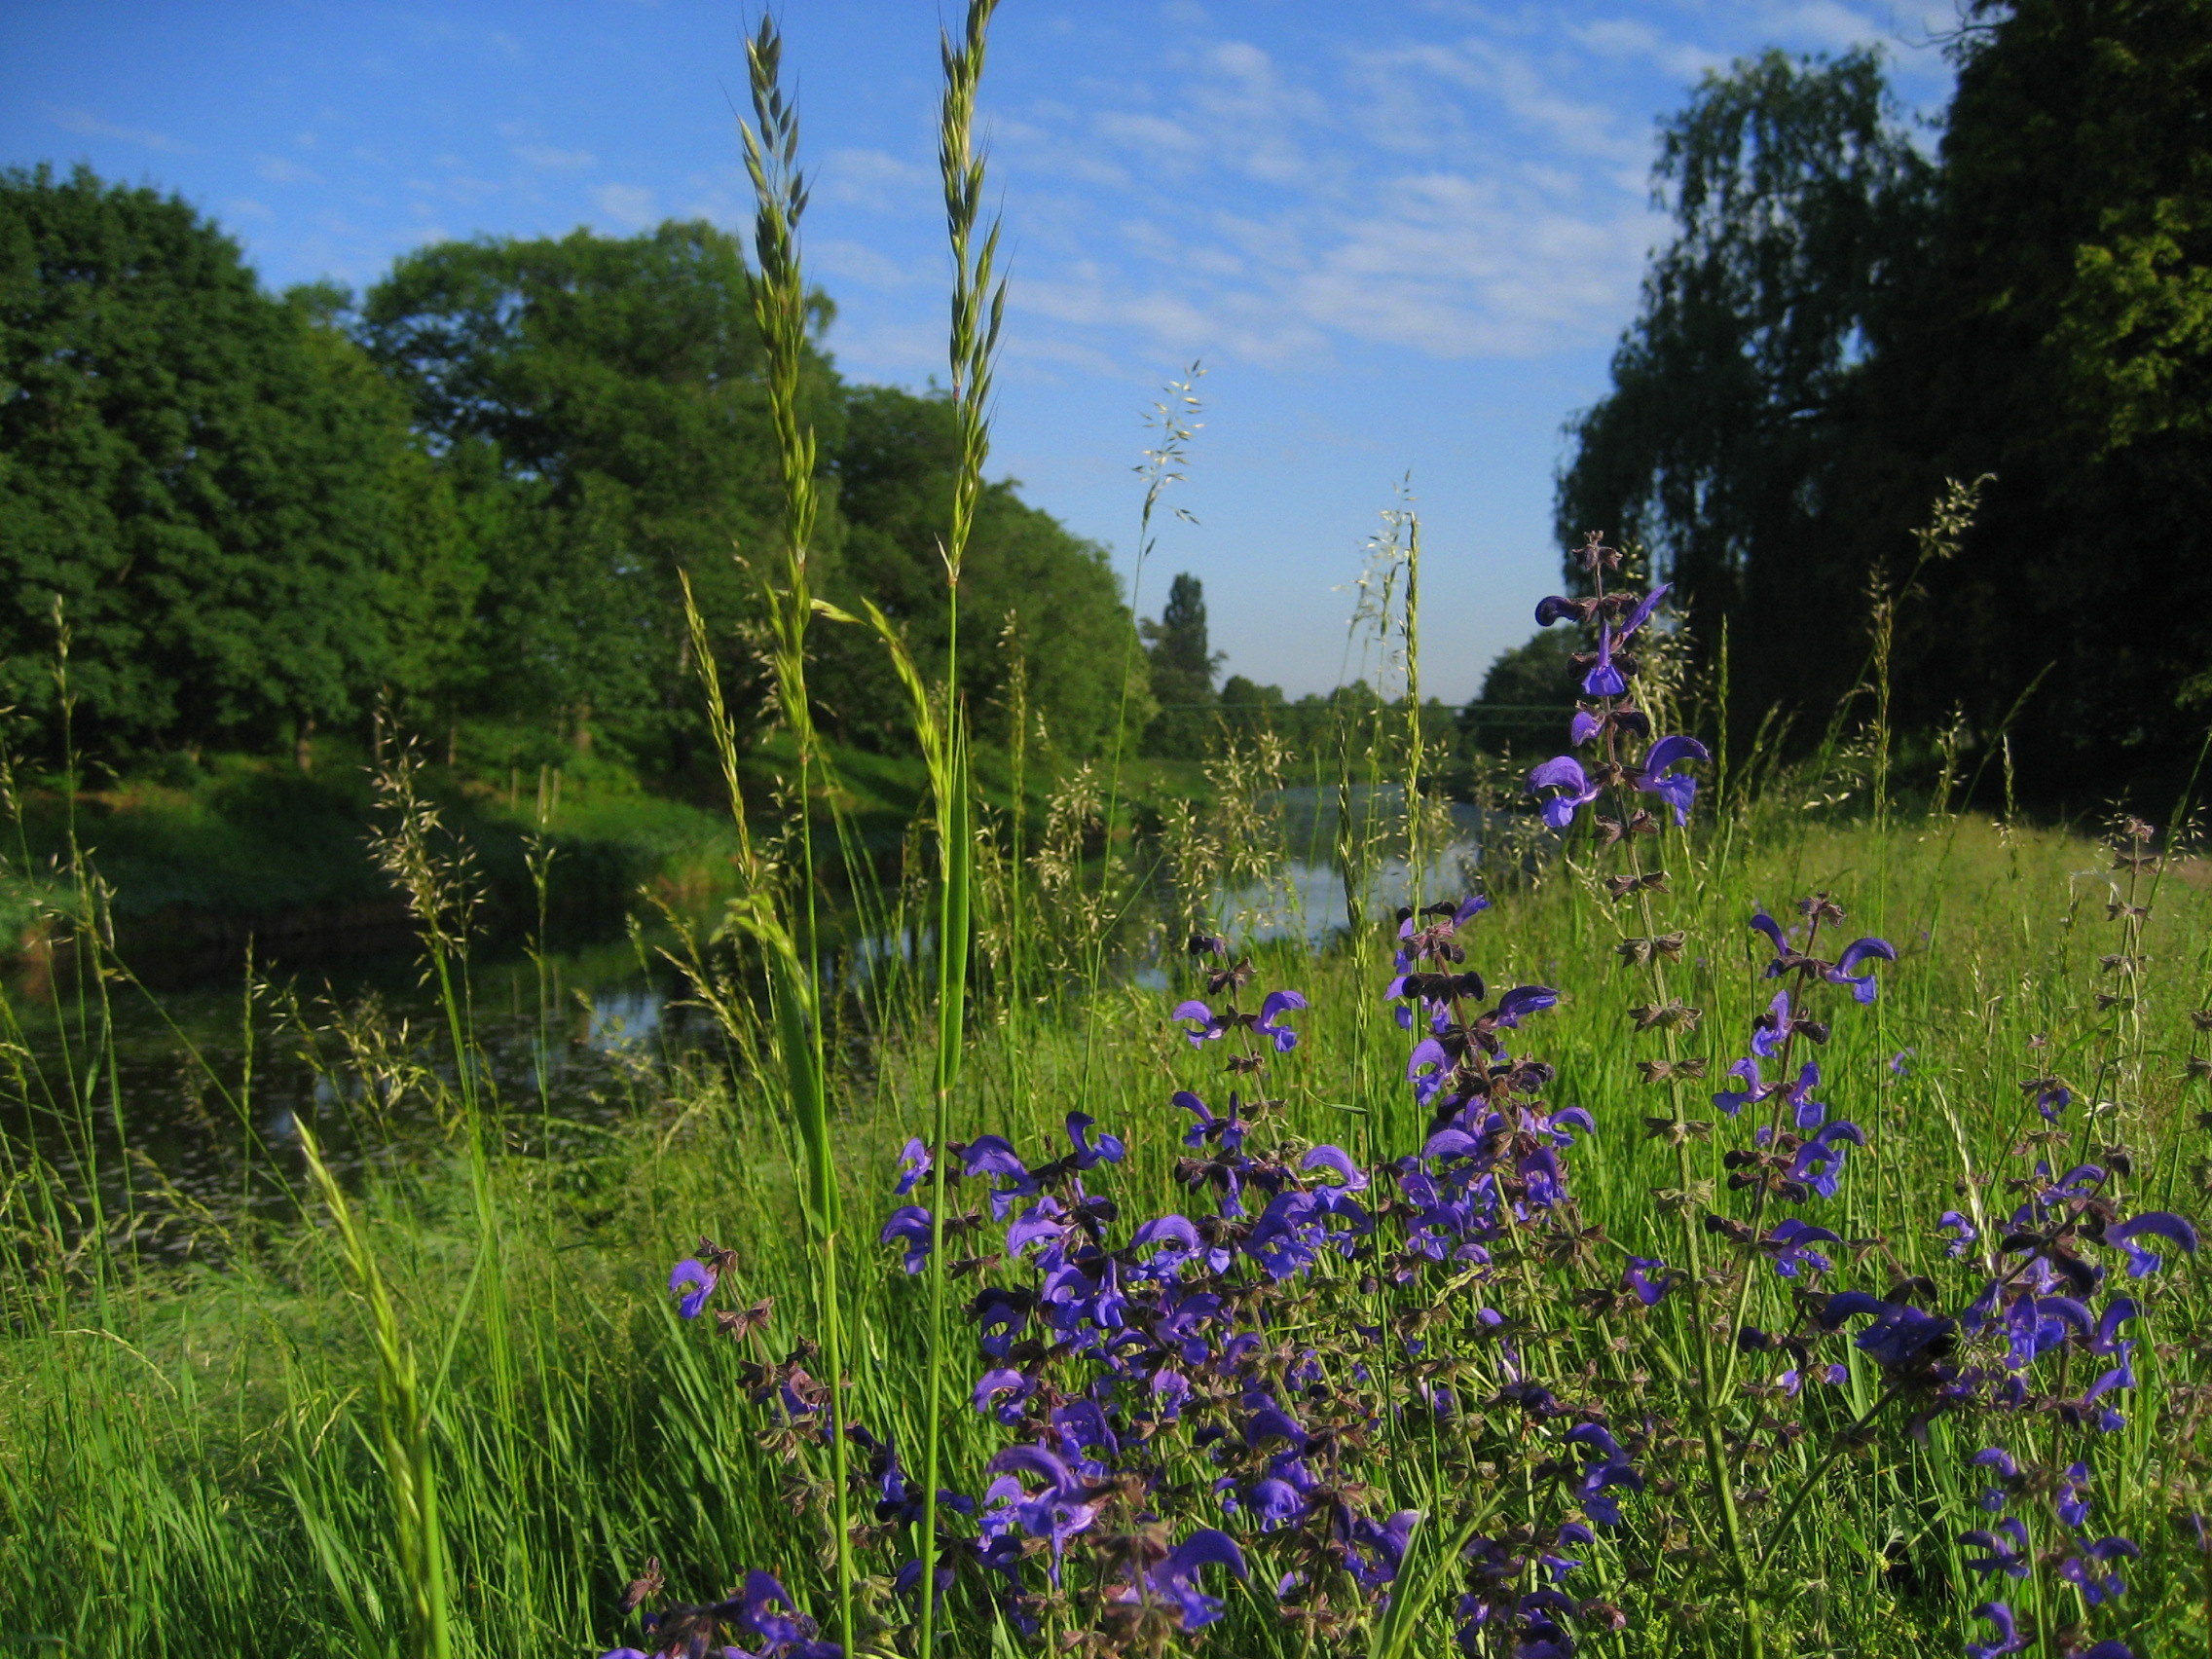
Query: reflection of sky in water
(622, 1016)
(1305, 899)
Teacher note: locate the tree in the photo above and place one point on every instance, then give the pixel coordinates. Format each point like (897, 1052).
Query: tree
(1183, 667)
(1046, 594)
(2061, 339)
(1527, 694)
(612, 386)
(1801, 205)
(196, 472)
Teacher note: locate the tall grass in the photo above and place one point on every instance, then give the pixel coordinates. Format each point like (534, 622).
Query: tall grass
(444, 1405)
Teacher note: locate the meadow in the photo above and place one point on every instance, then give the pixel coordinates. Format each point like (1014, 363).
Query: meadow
(1746, 1210)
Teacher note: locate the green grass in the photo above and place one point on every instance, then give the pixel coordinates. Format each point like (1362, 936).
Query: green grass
(189, 1457)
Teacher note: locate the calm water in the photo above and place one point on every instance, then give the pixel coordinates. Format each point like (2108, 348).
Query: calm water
(213, 1081)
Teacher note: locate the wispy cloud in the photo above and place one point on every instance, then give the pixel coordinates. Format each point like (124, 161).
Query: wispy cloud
(857, 261)
(876, 181)
(90, 125)
(553, 160)
(276, 169)
(1272, 213)
(629, 206)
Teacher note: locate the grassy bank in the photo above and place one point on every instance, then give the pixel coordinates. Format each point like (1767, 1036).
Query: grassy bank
(191, 1459)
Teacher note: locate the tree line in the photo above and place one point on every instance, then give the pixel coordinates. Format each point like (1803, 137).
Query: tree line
(466, 497)
(1846, 319)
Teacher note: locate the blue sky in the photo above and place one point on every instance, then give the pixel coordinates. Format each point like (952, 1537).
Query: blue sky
(1403, 238)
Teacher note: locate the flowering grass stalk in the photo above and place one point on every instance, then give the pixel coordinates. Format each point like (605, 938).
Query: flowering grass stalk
(405, 1430)
(779, 290)
(979, 305)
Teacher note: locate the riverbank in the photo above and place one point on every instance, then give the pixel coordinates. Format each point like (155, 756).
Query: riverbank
(175, 1439)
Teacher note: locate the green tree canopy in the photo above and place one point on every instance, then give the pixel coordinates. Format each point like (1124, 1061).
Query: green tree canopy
(1184, 664)
(1799, 204)
(611, 388)
(198, 473)
(1028, 586)
(2062, 340)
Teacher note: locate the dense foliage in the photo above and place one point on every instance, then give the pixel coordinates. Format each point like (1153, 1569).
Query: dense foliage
(1840, 325)
(209, 481)
(470, 499)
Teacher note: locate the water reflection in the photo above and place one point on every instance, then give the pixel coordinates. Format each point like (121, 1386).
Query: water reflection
(212, 1076)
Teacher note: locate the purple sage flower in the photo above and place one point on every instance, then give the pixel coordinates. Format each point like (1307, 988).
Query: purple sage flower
(692, 1281)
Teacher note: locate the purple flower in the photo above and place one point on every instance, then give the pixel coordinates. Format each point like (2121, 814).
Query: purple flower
(2073, 1495)
(1791, 1243)
(910, 1223)
(1336, 1158)
(1269, 1025)
(2156, 1224)
(1771, 1030)
(2009, 1555)
(2009, 1636)
(1902, 1336)
(2083, 1570)
(1205, 1025)
(1228, 1129)
(1862, 986)
(1603, 679)
(1582, 728)
(1520, 1002)
(1276, 1503)
(1108, 1148)
(1175, 1579)
(1016, 1385)
(1641, 614)
(1677, 789)
(1567, 775)
(699, 1278)
(913, 1164)
(1963, 1233)
(1647, 1276)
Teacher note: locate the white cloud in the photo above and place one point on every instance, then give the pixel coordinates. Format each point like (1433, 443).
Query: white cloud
(877, 181)
(555, 161)
(85, 121)
(1629, 38)
(246, 208)
(276, 169)
(629, 206)
(857, 261)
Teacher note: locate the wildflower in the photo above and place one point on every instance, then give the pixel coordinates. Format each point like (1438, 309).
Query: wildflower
(2156, 1224)
(1577, 789)
(1175, 1580)
(1787, 959)
(1781, 1022)
(1205, 1025)
(1228, 1129)
(693, 1282)
(2010, 1639)
(1647, 1276)
(1901, 1338)
(1108, 1148)
(2092, 1569)
(1269, 1023)
(762, 1609)
(914, 1163)
(1862, 986)
(1791, 1243)
(1677, 789)
(909, 1222)
(2009, 1555)
(1962, 1231)
(1337, 1159)
(2073, 1495)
